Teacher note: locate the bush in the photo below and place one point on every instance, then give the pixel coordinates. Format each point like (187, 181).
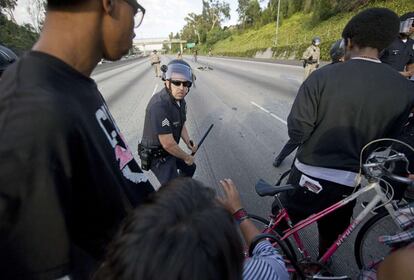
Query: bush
(17, 38)
(216, 35)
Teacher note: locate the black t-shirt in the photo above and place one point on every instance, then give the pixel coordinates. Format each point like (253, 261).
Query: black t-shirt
(67, 177)
(343, 106)
(163, 116)
(399, 54)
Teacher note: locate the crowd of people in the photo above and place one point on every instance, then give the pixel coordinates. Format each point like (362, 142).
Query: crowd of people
(74, 203)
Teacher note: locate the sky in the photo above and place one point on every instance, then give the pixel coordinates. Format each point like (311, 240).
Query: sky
(161, 18)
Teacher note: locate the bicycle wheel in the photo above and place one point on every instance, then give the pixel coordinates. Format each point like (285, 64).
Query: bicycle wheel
(367, 247)
(262, 224)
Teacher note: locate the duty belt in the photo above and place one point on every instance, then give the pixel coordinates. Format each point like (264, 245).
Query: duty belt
(155, 152)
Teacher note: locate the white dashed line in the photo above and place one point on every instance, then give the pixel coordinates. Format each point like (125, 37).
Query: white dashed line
(155, 89)
(270, 113)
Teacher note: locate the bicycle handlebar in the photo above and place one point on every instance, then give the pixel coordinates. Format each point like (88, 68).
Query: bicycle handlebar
(378, 169)
(401, 179)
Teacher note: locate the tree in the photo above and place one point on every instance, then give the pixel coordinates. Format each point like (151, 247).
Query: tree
(7, 8)
(253, 12)
(195, 24)
(215, 11)
(249, 12)
(241, 10)
(37, 10)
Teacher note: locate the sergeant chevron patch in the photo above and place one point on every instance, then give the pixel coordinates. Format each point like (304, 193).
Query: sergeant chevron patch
(165, 122)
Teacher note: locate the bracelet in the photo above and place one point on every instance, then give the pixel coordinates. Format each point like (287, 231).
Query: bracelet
(240, 215)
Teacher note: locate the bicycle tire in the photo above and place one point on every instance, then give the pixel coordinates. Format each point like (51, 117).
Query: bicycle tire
(265, 223)
(367, 248)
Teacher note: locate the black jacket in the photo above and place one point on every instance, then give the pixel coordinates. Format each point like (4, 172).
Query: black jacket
(343, 106)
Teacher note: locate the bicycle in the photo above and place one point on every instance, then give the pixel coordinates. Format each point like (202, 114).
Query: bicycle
(375, 168)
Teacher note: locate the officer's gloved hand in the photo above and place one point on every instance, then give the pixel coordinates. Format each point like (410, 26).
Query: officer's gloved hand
(189, 160)
(192, 146)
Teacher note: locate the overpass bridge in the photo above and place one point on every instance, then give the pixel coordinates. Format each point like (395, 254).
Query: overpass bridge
(144, 43)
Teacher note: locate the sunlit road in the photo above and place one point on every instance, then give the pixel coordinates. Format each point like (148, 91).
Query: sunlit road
(248, 103)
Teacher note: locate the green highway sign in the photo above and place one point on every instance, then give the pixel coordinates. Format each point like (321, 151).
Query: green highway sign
(190, 45)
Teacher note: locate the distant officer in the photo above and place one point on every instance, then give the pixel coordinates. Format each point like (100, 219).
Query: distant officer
(337, 51)
(311, 57)
(164, 125)
(155, 62)
(179, 55)
(400, 54)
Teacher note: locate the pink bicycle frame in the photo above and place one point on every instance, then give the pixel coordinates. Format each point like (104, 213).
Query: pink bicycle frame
(293, 230)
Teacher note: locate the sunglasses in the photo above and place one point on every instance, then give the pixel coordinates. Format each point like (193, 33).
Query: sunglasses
(179, 83)
(139, 12)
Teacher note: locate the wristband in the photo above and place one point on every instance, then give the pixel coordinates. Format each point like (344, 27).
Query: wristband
(240, 215)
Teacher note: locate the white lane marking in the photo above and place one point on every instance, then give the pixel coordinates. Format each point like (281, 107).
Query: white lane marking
(120, 68)
(270, 113)
(258, 62)
(155, 89)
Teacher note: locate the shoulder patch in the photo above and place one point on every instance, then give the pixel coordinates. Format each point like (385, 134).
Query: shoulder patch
(165, 122)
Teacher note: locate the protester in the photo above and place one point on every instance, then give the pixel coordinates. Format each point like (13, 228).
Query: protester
(339, 109)
(184, 232)
(67, 177)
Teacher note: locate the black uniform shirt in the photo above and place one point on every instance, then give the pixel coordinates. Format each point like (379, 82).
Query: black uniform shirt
(399, 54)
(163, 116)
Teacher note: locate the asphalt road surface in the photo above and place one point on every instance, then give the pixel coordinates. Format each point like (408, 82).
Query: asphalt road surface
(248, 103)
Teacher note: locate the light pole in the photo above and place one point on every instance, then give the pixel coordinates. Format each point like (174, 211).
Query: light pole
(277, 21)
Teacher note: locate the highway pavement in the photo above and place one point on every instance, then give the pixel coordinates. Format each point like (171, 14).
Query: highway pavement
(248, 103)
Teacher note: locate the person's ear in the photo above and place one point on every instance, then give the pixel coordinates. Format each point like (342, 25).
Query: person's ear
(108, 5)
(348, 43)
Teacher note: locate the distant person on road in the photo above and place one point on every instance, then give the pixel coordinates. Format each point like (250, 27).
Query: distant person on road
(7, 58)
(179, 55)
(156, 63)
(165, 125)
(185, 232)
(338, 110)
(210, 53)
(67, 176)
(400, 54)
(311, 57)
(195, 55)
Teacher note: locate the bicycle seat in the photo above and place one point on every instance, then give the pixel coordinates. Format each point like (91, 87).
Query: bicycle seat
(263, 188)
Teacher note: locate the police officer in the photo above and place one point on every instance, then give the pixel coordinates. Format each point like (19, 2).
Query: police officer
(155, 62)
(337, 51)
(165, 124)
(400, 54)
(311, 57)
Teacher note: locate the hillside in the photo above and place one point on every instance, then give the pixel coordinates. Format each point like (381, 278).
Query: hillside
(296, 32)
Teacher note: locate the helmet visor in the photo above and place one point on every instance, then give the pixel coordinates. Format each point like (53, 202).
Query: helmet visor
(406, 25)
(179, 72)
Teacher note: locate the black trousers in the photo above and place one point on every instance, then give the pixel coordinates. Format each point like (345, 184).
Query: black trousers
(166, 169)
(301, 203)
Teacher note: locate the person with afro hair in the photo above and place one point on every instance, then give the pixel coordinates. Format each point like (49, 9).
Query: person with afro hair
(337, 111)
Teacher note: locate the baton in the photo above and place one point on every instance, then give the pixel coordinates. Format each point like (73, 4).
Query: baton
(202, 138)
